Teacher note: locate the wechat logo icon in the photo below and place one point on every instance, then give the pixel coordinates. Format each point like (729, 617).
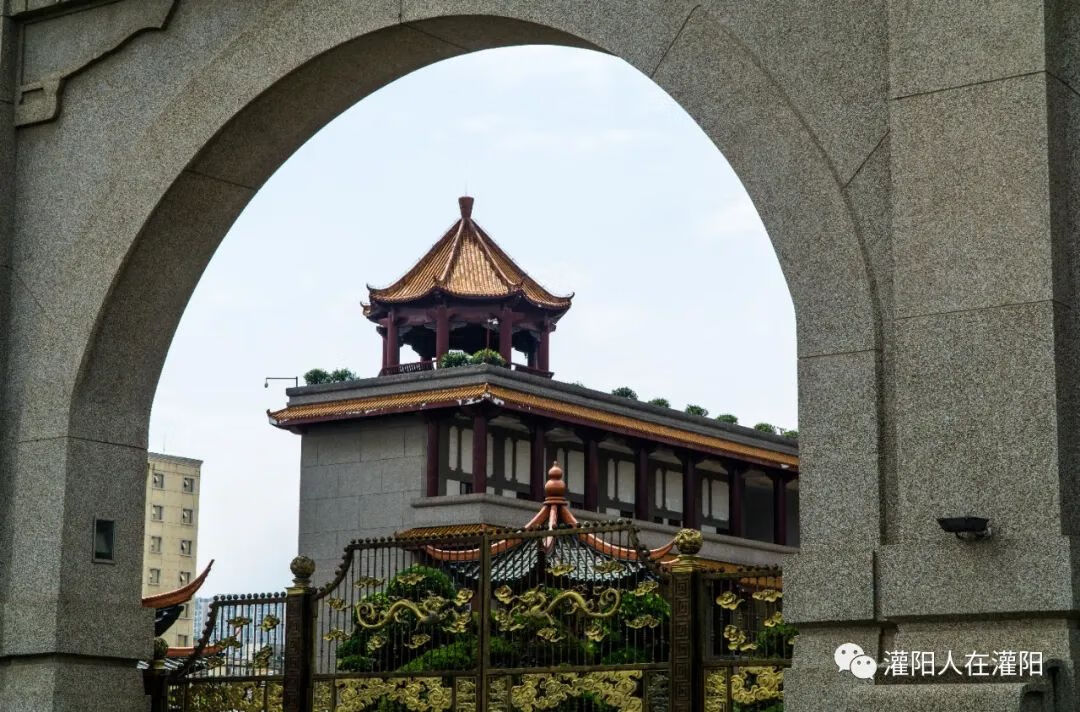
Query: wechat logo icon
(851, 658)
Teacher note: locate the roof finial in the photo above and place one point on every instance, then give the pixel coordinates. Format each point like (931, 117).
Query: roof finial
(466, 206)
(555, 488)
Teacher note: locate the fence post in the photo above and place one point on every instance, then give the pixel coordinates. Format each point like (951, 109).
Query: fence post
(687, 685)
(299, 638)
(156, 678)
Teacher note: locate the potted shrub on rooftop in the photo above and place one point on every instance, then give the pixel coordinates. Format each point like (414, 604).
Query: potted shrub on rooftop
(488, 356)
(453, 359)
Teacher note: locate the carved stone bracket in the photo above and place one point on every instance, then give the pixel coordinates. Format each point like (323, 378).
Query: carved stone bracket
(60, 38)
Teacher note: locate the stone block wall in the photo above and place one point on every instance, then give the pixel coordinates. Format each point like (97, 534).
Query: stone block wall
(356, 481)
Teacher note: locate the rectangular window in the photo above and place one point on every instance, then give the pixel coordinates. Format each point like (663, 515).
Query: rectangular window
(159, 480)
(187, 516)
(182, 640)
(157, 513)
(189, 485)
(185, 547)
(155, 545)
(185, 578)
(617, 490)
(668, 496)
(155, 577)
(714, 501)
(103, 540)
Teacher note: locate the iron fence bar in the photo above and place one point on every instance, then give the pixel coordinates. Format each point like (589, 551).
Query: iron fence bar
(484, 627)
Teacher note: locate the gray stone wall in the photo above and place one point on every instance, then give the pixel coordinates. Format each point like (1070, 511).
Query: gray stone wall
(356, 481)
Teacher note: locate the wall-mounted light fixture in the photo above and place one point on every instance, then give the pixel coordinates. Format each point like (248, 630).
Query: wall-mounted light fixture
(104, 541)
(966, 528)
(294, 379)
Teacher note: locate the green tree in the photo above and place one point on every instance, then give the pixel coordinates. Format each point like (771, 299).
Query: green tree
(696, 410)
(766, 428)
(662, 402)
(625, 392)
(727, 418)
(342, 374)
(488, 356)
(793, 434)
(452, 359)
(316, 375)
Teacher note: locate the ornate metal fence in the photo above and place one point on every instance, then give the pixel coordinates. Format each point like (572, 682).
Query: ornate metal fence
(573, 618)
(239, 662)
(746, 645)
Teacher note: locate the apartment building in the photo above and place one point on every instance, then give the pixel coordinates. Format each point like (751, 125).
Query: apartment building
(172, 528)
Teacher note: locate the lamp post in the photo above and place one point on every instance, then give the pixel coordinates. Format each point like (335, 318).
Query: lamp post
(294, 379)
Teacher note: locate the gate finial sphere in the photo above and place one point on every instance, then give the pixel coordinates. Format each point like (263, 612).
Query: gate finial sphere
(689, 541)
(302, 568)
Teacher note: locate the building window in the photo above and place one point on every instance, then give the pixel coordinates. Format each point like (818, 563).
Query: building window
(714, 501)
(187, 516)
(183, 611)
(511, 463)
(182, 640)
(667, 507)
(189, 485)
(159, 480)
(103, 540)
(155, 577)
(157, 513)
(185, 578)
(617, 488)
(457, 476)
(155, 545)
(185, 547)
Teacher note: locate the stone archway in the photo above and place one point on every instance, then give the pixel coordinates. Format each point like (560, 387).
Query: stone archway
(144, 150)
(175, 181)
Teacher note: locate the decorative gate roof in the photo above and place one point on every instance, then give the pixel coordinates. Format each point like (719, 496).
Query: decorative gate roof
(584, 557)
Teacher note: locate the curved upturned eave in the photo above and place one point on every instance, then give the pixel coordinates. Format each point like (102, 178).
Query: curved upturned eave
(179, 595)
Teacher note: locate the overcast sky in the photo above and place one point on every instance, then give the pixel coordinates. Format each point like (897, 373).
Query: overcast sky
(583, 170)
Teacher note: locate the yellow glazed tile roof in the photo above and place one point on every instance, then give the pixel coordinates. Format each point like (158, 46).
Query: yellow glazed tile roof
(466, 262)
(442, 397)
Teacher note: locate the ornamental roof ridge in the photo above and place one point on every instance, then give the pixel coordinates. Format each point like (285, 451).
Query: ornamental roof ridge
(465, 262)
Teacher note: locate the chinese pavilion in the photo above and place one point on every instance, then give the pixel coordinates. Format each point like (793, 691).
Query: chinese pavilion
(438, 444)
(465, 294)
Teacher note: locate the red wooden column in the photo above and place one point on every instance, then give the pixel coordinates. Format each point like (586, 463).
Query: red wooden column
(393, 348)
(433, 455)
(442, 331)
(479, 453)
(506, 333)
(385, 350)
(643, 485)
(538, 461)
(590, 439)
(779, 482)
(735, 498)
(542, 361)
(691, 491)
